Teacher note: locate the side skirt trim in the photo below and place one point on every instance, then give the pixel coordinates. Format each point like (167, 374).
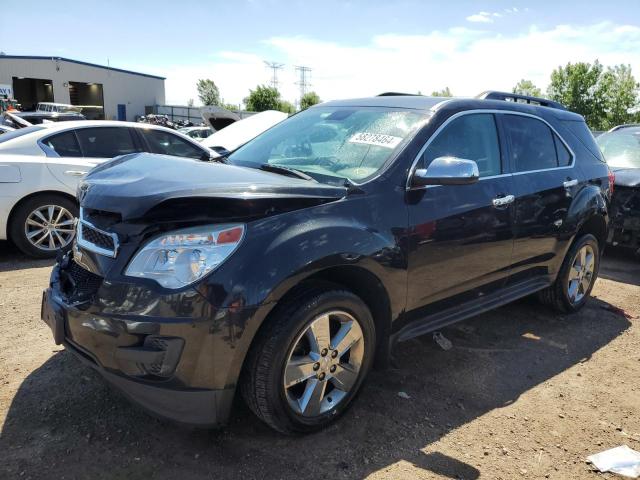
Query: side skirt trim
(439, 320)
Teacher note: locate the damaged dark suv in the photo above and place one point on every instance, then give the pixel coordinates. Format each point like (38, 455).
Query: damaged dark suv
(286, 268)
(621, 148)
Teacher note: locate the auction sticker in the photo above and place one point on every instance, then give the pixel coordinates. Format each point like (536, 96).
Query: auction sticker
(377, 139)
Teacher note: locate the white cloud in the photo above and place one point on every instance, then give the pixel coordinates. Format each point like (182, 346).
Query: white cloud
(466, 60)
(488, 17)
(482, 17)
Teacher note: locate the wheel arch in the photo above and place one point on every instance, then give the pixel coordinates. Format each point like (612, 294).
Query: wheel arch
(589, 212)
(356, 279)
(28, 197)
(365, 285)
(597, 226)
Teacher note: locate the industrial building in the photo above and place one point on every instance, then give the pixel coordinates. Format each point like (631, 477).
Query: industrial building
(112, 93)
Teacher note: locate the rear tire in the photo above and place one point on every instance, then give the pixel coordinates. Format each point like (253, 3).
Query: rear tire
(44, 224)
(308, 363)
(576, 278)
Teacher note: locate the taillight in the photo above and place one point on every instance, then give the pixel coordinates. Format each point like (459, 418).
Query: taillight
(612, 180)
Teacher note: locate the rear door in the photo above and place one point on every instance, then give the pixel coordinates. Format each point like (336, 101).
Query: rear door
(81, 149)
(545, 181)
(461, 235)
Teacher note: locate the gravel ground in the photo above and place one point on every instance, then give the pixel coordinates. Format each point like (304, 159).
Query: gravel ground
(523, 393)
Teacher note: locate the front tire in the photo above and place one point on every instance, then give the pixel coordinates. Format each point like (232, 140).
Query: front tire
(576, 278)
(43, 224)
(309, 361)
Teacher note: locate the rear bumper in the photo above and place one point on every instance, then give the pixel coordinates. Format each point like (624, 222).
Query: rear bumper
(183, 367)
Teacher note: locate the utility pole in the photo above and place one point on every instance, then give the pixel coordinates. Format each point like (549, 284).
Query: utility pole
(275, 67)
(303, 82)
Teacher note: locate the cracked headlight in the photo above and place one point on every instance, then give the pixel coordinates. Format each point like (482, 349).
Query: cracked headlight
(181, 257)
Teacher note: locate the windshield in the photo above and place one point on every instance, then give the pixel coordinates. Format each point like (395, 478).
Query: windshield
(621, 148)
(19, 133)
(330, 143)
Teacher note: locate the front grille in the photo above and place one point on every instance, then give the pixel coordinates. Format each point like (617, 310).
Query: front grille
(95, 240)
(79, 282)
(98, 238)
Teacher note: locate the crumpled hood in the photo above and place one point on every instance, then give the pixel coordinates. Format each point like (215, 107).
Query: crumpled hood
(132, 185)
(627, 177)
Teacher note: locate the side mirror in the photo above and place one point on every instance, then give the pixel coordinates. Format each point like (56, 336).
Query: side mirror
(446, 171)
(214, 154)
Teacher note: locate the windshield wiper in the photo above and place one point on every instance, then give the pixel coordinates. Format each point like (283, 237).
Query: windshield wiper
(291, 172)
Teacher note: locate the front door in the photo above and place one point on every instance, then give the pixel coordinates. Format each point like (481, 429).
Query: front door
(461, 235)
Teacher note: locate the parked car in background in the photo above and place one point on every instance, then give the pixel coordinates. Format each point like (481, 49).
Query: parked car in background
(15, 119)
(57, 107)
(41, 165)
(197, 133)
(287, 266)
(241, 131)
(621, 148)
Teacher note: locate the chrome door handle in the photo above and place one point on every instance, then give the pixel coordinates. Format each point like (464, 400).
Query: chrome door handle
(502, 201)
(75, 173)
(570, 183)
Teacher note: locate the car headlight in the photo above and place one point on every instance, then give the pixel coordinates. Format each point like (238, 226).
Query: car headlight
(179, 258)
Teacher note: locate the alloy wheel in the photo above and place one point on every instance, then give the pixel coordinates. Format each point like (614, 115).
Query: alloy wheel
(324, 363)
(50, 227)
(581, 274)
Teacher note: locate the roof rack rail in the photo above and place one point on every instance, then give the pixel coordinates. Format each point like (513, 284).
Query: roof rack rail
(514, 97)
(398, 94)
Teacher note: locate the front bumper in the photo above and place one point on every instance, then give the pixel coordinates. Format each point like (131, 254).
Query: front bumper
(182, 366)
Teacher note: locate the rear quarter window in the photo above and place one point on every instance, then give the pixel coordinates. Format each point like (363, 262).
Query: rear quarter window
(64, 144)
(582, 133)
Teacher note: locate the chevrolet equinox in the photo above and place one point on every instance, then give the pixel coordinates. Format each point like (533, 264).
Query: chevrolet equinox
(285, 268)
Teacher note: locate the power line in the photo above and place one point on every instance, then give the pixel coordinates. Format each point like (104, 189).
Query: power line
(275, 67)
(303, 82)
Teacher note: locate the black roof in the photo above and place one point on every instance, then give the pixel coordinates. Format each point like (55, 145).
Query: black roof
(421, 102)
(415, 102)
(79, 62)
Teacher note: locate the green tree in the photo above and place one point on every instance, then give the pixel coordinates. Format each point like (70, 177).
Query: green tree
(208, 92)
(577, 86)
(286, 107)
(263, 98)
(622, 96)
(230, 106)
(604, 97)
(442, 93)
(309, 99)
(527, 87)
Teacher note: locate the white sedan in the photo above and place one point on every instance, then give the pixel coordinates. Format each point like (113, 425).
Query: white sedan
(41, 165)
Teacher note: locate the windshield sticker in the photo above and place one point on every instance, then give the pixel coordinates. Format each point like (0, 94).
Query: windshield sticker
(377, 139)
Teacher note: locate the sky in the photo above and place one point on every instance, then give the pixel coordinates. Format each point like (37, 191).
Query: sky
(354, 48)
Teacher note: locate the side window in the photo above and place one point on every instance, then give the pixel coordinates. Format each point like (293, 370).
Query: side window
(64, 144)
(471, 137)
(532, 143)
(564, 156)
(106, 142)
(167, 143)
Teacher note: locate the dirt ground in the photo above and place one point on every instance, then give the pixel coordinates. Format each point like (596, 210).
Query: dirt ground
(523, 393)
